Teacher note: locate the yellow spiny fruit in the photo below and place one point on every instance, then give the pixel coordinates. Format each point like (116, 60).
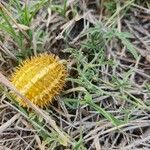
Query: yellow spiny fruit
(39, 79)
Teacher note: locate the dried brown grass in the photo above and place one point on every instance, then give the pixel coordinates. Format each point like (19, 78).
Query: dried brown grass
(17, 133)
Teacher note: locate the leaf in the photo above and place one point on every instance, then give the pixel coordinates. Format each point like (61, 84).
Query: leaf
(130, 47)
(23, 27)
(123, 36)
(107, 115)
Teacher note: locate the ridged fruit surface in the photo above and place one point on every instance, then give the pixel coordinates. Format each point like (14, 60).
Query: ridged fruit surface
(40, 79)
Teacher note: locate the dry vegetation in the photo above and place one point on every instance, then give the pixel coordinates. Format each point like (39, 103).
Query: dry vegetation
(106, 102)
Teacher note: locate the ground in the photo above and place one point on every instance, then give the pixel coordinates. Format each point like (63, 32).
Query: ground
(105, 46)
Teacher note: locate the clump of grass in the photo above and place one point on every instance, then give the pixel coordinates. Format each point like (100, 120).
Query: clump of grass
(90, 62)
(16, 21)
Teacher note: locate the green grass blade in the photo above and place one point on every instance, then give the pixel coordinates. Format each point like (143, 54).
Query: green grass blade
(107, 115)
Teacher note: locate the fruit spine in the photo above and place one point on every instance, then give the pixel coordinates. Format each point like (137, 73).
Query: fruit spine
(39, 79)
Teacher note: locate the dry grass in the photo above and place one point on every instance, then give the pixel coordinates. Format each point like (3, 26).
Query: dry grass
(106, 103)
